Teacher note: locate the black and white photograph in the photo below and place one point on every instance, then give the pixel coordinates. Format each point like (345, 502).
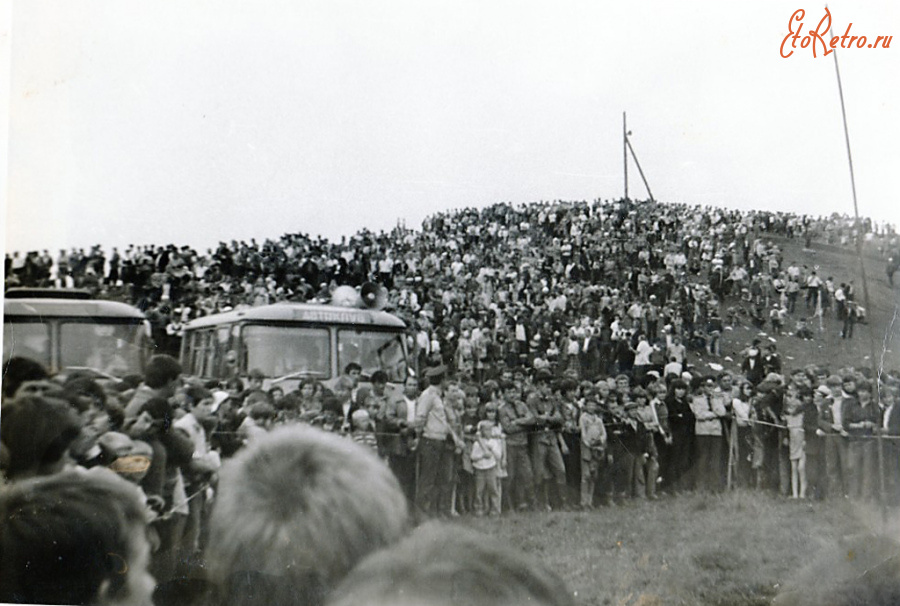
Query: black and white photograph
(477, 303)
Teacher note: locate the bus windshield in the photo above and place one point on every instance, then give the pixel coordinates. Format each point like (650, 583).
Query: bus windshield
(285, 350)
(27, 340)
(112, 349)
(373, 350)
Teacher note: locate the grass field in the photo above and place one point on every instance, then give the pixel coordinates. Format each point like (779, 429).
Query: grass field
(741, 548)
(828, 348)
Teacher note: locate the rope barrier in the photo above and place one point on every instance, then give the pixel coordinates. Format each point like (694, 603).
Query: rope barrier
(609, 425)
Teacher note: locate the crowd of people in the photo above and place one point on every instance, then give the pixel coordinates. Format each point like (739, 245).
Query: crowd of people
(537, 277)
(233, 494)
(116, 495)
(556, 349)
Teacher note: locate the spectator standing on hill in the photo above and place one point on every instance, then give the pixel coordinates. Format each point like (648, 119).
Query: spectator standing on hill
(436, 446)
(862, 418)
(709, 411)
(850, 317)
(401, 443)
(517, 419)
(677, 466)
(753, 364)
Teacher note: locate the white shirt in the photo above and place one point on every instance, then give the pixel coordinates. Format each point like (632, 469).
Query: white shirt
(410, 410)
(642, 354)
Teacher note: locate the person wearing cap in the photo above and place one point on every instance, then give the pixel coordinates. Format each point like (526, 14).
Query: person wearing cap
(517, 421)
(861, 418)
(436, 446)
(547, 459)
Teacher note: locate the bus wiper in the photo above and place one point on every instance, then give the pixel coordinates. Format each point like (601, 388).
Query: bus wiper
(98, 374)
(299, 374)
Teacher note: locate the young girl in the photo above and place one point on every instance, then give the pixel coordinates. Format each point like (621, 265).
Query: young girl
(741, 406)
(486, 454)
(491, 414)
(793, 416)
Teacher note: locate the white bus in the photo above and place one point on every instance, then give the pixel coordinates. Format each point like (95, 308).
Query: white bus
(290, 342)
(66, 330)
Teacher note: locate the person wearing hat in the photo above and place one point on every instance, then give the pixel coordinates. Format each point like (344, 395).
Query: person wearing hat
(517, 421)
(436, 445)
(547, 459)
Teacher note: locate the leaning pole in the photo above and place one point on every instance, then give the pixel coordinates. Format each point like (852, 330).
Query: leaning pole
(862, 272)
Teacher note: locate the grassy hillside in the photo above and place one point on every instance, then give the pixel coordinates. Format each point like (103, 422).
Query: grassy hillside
(741, 548)
(828, 348)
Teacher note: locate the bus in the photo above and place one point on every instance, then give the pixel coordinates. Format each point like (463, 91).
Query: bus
(290, 342)
(67, 331)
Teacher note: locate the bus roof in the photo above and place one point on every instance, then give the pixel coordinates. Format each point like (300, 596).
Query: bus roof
(70, 308)
(301, 312)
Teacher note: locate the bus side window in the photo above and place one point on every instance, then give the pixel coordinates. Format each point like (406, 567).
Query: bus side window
(201, 353)
(223, 344)
(210, 341)
(192, 345)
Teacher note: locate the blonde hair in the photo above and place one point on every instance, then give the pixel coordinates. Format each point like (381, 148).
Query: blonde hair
(296, 511)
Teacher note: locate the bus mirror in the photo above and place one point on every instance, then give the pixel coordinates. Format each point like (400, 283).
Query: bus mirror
(231, 357)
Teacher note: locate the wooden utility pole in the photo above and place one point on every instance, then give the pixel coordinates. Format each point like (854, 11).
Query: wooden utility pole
(640, 170)
(625, 152)
(862, 273)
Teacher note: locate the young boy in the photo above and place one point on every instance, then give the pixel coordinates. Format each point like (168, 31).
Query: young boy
(486, 455)
(363, 429)
(776, 316)
(593, 449)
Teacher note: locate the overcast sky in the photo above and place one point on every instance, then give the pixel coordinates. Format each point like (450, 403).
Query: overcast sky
(194, 122)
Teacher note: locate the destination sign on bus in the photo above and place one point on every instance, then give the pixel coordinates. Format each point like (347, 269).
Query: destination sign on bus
(336, 317)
